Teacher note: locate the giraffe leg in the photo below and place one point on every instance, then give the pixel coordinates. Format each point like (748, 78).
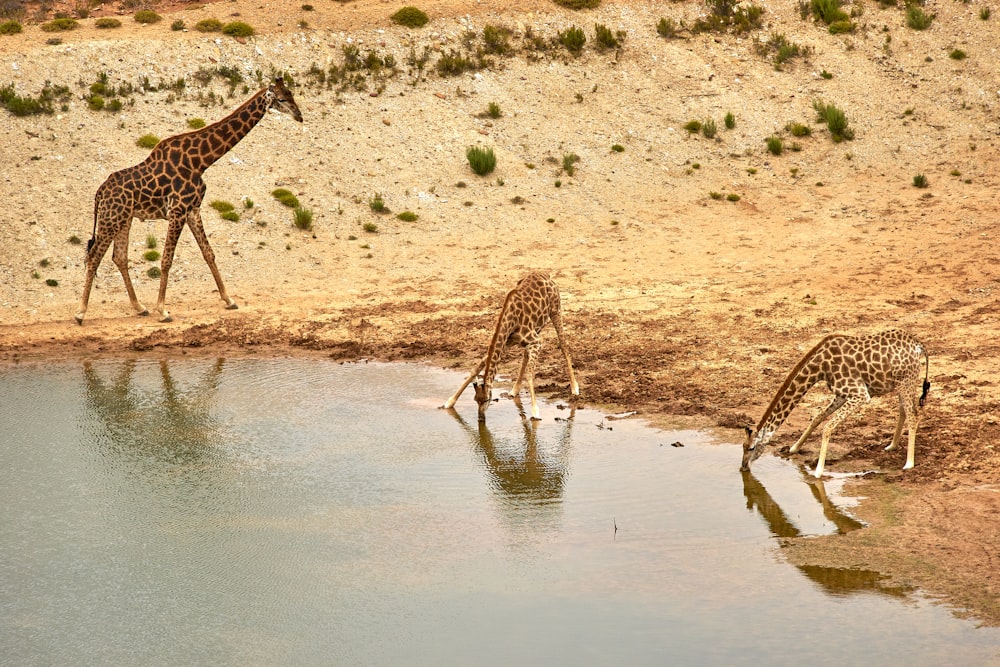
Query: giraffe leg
(169, 246)
(520, 374)
(532, 360)
(899, 424)
(817, 420)
(94, 257)
(556, 316)
(852, 405)
(912, 419)
(450, 403)
(120, 257)
(194, 222)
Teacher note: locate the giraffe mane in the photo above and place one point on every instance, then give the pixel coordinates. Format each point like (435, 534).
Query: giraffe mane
(791, 376)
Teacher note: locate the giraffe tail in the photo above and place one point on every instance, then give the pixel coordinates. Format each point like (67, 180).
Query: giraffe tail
(93, 235)
(927, 384)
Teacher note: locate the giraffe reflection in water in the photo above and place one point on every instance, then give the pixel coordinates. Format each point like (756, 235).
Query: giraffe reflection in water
(530, 482)
(833, 580)
(167, 423)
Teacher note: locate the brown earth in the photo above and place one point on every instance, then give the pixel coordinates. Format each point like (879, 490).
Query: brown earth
(675, 303)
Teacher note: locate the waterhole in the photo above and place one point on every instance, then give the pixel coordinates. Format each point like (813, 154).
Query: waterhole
(302, 511)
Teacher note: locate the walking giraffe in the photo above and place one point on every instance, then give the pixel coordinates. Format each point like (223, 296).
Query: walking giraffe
(856, 369)
(526, 310)
(168, 185)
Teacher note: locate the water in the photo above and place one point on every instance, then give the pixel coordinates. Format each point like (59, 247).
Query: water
(296, 511)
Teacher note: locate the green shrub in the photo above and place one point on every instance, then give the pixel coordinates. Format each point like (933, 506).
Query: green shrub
(150, 241)
(841, 27)
(286, 197)
(617, 148)
(835, 119)
(147, 141)
(482, 160)
(798, 129)
(75, 240)
(732, 196)
(607, 39)
(377, 204)
(107, 22)
(151, 255)
(95, 102)
(238, 29)
(828, 11)
(410, 17)
(775, 145)
(196, 123)
(578, 4)
(917, 18)
(493, 110)
(177, 25)
(667, 28)
(408, 216)
(957, 54)
(920, 181)
(60, 25)
(222, 206)
(573, 39)
(146, 16)
(730, 121)
(10, 28)
(153, 272)
(52, 282)
(231, 216)
(303, 218)
(370, 227)
(693, 126)
(30, 106)
(569, 163)
(496, 39)
(709, 128)
(984, 13)
(208, 25)
(453, 63)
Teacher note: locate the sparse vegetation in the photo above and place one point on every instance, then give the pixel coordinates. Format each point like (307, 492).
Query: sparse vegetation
(408, 216)
(377, 204)
(693, 126)
(607, 39)
(775, 145)
(729, 15)
(573, 39)
(60, 25)
(957, 54)
(370, 227)
(303, 218)
(617, 148)
(196, 123)
(569, 161)
(208, 25)
(984, 13)
(828, 11)
(146, 16)
(10, 27)
(667, 28)
(286, 197)
(238, 29)
(917, 18)
(177, 25)
(147, 141)
(107, 22)
(150, 241)
(493, 110)
(222, 206)
(835, 119)
(798, 130)
(729, 120)
(920, 181)
(482, 160)
(151, 255)
(411, 17)
(153, 272)
(709, 128)
(578, 4)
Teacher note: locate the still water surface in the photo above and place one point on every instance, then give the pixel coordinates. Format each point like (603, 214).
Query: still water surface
(294, 511)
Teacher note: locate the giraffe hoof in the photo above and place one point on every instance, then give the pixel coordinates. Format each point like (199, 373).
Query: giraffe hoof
(232, 306)
(167, 318)
(79, 318)
(143, 313)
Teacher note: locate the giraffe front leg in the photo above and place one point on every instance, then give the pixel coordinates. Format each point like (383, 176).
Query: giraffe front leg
(531, 362)
(94, 257)
(450, 403)
(899, 425)
(851, 405)
(194, 222)
(120, 257)
(817, 420)
(520, 374)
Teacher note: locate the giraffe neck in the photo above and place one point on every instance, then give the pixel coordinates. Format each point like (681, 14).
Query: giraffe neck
(202, 148)
(505, 325)
(800, 380)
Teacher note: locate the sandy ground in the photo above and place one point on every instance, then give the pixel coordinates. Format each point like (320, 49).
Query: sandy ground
(676, 304)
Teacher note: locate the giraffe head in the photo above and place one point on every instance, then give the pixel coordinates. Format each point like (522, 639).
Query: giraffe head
(753, 446)
(282, 100)
(483, 398)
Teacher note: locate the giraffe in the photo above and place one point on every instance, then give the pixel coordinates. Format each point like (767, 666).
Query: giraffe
(168, 185)
(856, 369)
(526, 310)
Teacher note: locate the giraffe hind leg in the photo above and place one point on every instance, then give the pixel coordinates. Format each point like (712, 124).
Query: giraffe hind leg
(852, 405)
(556, 316)
(532, 363)
(120, 257)
(95, 253)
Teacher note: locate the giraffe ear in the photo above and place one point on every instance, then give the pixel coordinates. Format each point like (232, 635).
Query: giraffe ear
(279, 80)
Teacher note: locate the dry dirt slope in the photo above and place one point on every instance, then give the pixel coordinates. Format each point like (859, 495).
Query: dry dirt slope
(677, 303)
